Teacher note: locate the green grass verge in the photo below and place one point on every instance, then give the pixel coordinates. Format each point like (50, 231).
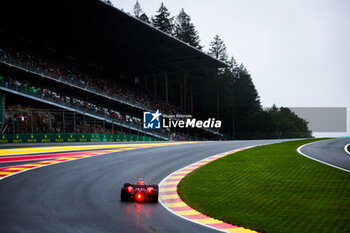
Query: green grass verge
(349, 148)
(271, 189)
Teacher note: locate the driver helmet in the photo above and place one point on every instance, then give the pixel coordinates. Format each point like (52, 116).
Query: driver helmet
(140, 182)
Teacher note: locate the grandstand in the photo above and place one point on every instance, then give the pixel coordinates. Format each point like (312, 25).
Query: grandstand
(88, 67)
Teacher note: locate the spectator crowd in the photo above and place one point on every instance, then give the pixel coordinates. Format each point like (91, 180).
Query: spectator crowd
(64, 71)
(45, 93)
(67, 72)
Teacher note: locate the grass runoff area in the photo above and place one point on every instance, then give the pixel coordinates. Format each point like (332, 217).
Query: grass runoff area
(349, 148)
(272, 189)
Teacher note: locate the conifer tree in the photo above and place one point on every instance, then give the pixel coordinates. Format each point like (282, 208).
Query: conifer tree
(137, 10)
(246, 94)
(218, 49)
(185, 30)
(163, 21)
(145, 18)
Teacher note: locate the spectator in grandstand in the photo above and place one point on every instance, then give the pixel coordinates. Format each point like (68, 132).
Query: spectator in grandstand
(24, 86)
(65, 72)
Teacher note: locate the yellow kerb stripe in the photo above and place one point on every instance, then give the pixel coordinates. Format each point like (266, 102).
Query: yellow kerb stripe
(167, 189)
(183, 172)
(208, 221)
(6, 173)
(239, 230)
(16, 168)
(176, 176)
(187, 212)
(176, 204)
(171, 196)
(49, 161)
(170, 182)
(77, 148)
(32, 165)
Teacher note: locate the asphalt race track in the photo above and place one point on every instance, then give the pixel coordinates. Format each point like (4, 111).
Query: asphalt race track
(329, 151)
(84, 195)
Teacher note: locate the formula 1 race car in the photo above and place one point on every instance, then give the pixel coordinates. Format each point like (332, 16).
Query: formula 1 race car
(139, 192)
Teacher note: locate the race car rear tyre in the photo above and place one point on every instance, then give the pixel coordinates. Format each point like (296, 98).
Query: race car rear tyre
(155, 186)
(124, 195)
(154, 197)
(126, 185)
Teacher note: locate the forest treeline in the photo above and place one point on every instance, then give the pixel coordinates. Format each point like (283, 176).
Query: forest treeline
(228, 93)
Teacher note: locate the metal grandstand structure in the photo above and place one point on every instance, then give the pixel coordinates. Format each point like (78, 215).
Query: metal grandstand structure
(98, 33)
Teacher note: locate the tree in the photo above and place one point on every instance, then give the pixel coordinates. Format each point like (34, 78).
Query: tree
(260, 126)
(145, 18)
(163, 21)
(246, 95)
(109, 2)
(288, 124)
(218, 49)
(185, 30)
(137, 10)
(247, 102)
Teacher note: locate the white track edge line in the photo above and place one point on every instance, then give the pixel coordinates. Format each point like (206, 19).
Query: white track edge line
(346, 148)
(190, 220)
(77, 148)
(173, 212)
(2, 178)
(320, 161)
(29, 169)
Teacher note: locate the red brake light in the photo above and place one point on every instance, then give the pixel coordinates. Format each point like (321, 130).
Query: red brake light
(130, 189)
(139, 196)
(149, 189)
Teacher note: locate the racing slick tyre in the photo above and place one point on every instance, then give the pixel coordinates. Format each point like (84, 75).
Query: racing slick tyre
(155, 186)
(124, 195)
(154, 197)
(126, 185)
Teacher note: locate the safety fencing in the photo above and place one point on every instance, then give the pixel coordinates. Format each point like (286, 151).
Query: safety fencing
(72, 137)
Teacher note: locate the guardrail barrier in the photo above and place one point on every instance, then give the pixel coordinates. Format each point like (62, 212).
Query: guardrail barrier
(71, 137)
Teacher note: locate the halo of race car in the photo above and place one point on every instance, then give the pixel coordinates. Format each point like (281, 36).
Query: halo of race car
(139, 192)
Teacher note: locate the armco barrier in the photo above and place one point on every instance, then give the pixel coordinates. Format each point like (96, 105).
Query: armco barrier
(72, 137)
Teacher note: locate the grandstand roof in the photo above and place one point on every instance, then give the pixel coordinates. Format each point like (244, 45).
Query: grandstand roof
(98, 32)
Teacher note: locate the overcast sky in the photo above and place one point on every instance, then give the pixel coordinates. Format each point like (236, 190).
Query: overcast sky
(297, 51)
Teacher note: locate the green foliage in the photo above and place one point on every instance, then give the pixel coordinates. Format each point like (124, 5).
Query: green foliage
(145, 18)
(233, 90)
(246, 94)
(240, 107)
(185, 30)
(246, 103)
(163, 21)
(288, 124)
(218, 49)
(271, 189)
(228, 93)
(137, 10)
